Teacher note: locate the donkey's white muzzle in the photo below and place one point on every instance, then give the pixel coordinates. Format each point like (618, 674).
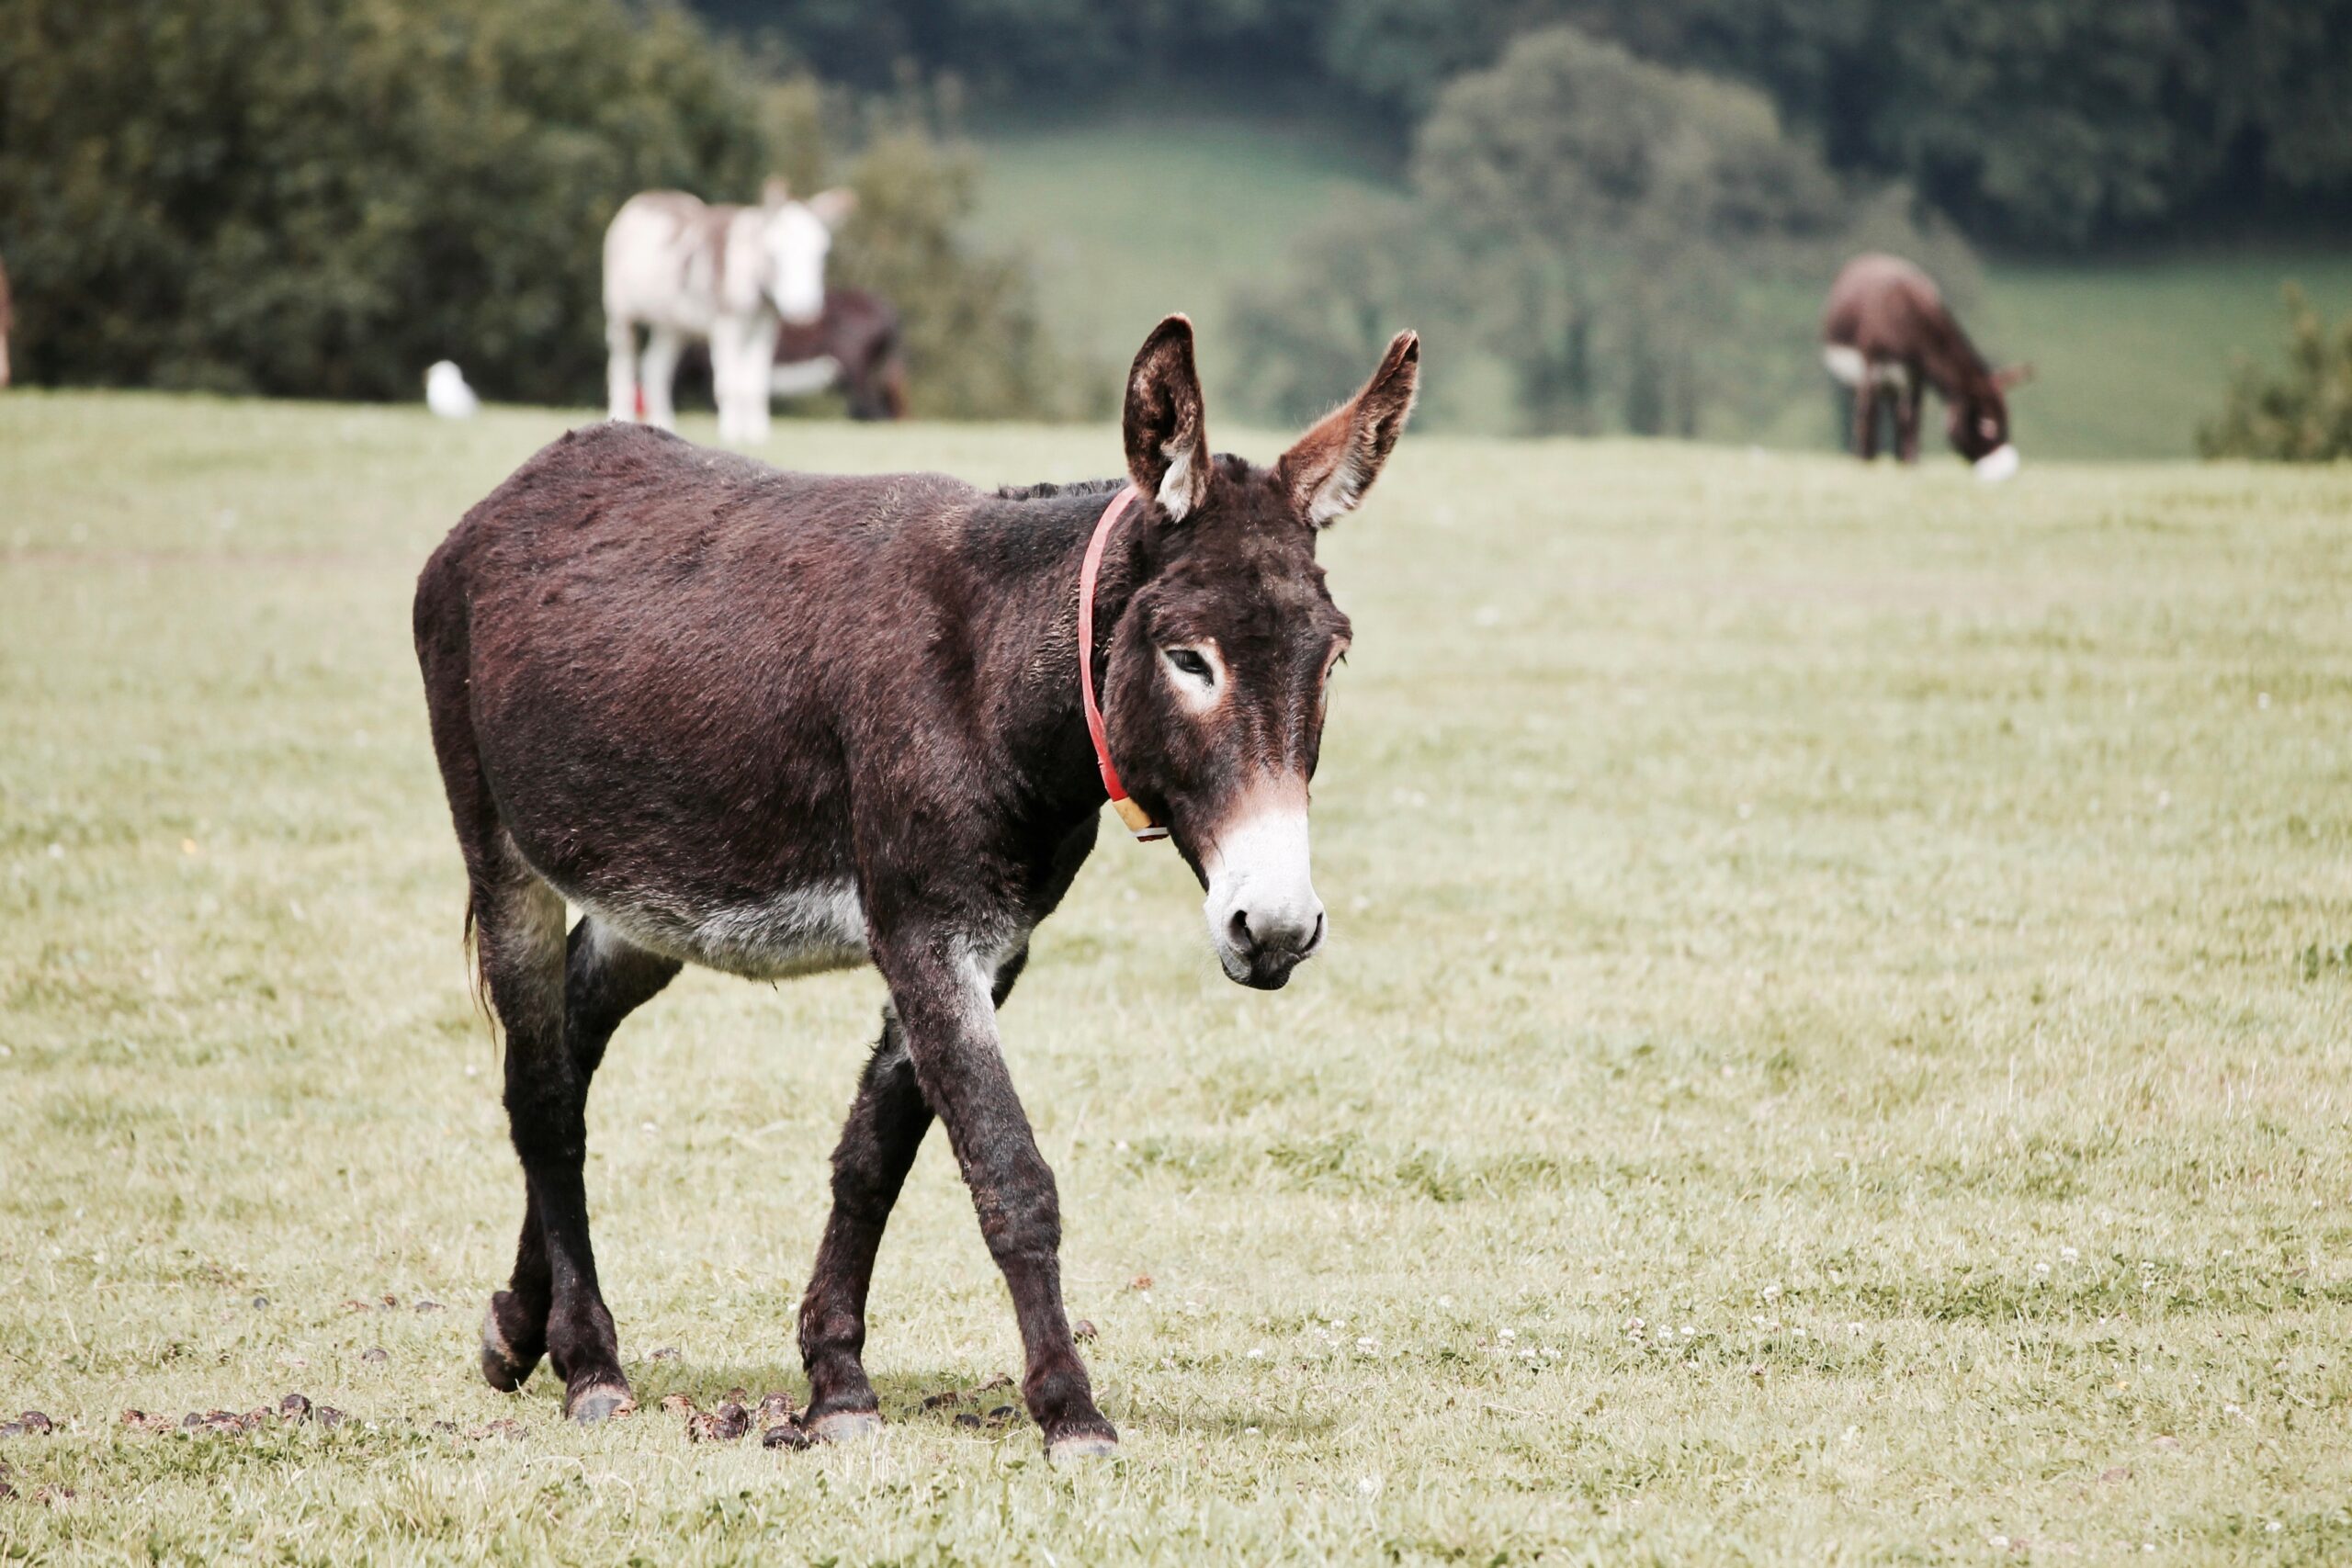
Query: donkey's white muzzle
(1263, 915)
(1998, 464)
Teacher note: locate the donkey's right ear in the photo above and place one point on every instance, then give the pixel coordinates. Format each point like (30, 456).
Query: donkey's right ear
(775, 193)
(1167, 442)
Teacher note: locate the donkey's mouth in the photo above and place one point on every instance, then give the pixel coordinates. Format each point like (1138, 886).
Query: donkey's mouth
(1265, 966)
(1262, 971)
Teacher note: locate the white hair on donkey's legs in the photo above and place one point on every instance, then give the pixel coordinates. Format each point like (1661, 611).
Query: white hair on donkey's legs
(620, 367)
(663, 346)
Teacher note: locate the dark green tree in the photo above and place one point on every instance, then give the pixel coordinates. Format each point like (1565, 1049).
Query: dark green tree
(2303, 415)
(320, 198)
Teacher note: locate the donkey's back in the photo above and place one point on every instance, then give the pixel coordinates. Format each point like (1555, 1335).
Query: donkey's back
(644, 661)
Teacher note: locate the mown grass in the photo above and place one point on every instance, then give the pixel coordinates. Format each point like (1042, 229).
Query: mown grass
(1150, 208)
(1834, 1048)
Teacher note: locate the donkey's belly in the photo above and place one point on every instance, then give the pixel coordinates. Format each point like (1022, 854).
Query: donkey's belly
(801, 931)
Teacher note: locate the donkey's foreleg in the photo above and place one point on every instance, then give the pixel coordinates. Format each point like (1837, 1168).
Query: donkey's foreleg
(742, 375)
(1866, 398)
(1906, 421)
(886, 1127)
(620, 367)
(606, 979)
(663, 347)
(941, 988)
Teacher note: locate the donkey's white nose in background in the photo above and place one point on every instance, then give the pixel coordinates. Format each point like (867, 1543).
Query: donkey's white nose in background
(1998, 464)
(447, 394)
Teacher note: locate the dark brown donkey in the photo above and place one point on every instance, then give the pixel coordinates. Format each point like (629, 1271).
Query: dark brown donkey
(1887, 334)
(775, 723)
(854, 344)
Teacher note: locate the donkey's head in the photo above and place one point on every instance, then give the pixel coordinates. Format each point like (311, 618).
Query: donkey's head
(1215, 685)
(1978, 422)
(795, 237)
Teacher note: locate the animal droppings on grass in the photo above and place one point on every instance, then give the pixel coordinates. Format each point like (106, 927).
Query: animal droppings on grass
(261, 1303)
(724, 1424)
(776, 1406)
(666, 1353)
(787, 1434)
(375, 1354)
(968, 1419)
(1083, 1329)
(1141, 1283)
(1002, 1413)
(294, 1407)
(422, 1305)
(678, 1404)
(2115, 1472)
(945, 1397)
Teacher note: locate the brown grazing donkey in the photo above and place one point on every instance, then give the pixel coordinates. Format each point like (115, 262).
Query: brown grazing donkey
(854, 345)
(776, 723)
(1887, 334)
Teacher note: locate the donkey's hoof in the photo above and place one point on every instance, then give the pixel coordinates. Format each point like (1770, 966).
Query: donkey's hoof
(1075, 1447)
(846, 1425)
(600, 1403)
(503, 1366)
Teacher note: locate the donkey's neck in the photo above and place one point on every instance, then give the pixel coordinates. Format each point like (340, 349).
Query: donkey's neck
(1950, 362)
(1023, 549)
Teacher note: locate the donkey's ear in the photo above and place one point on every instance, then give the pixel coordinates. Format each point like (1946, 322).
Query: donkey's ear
(1168, 443)
(776, 192)
(2010, 376)
(1329, 470)
(834, 207)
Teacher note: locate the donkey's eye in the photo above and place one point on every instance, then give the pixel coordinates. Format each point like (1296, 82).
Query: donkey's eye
(1190, 664)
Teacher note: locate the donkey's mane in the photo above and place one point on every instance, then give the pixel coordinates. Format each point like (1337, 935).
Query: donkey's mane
(1047, 491)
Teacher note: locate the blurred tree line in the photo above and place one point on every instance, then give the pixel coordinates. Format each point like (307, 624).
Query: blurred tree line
(1636, 247)
(320, 198)
(2042, 123)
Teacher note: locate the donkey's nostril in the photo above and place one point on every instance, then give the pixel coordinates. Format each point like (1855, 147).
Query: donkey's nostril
(1239, 927)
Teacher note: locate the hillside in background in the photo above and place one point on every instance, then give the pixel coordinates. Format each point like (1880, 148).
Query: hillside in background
(1147, 210)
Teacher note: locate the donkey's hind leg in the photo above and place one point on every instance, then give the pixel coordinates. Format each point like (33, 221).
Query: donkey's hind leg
(606, 979)
(524, 958)
(886, 1127)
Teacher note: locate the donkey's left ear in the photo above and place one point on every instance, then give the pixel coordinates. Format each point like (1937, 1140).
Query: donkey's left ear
(1164, 427)
(834, 207)
(775, 193)
(1333, 464)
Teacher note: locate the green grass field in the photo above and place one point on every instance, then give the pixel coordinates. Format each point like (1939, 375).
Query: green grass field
(1834, 1047)
(1156, 210)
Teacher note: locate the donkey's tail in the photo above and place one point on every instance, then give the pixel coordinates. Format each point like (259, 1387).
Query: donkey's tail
(480, 972)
